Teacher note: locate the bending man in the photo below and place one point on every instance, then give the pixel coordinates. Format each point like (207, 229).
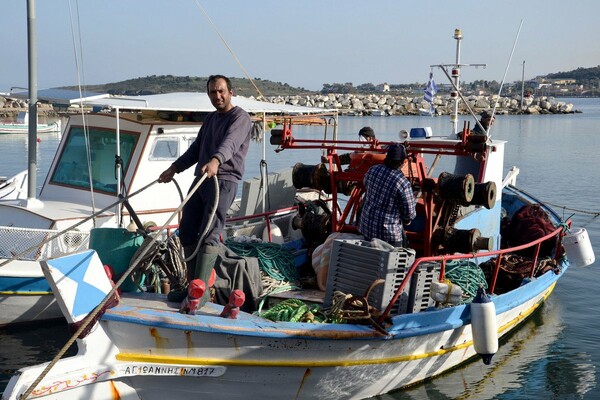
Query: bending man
(389, 202)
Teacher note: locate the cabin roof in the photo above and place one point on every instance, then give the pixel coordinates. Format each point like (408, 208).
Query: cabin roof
(177, 101)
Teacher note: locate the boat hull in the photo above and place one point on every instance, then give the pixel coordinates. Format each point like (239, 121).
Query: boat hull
(156, 353)
(24, 128)
(28, 308)
(25, 295)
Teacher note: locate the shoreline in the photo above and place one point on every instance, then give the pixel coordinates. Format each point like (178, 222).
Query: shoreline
(386, 104)
(370, 105)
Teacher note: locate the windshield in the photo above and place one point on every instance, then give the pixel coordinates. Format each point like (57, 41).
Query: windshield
(72, 168)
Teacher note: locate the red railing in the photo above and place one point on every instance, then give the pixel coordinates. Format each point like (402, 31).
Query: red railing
(443, 259)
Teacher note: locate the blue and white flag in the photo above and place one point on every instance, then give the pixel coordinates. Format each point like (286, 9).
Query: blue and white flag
(430, 91)
(78, 281)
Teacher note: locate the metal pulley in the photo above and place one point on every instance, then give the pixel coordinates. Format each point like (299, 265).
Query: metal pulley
(311, 176)
(484, 195)
(466, 241)
(456, 187)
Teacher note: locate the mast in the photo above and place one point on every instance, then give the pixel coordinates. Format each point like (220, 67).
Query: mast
(32, 68)
(455, 80)
(522, 85)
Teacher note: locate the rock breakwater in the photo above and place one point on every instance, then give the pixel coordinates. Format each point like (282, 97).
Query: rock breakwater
(388, 104)
(375, 104)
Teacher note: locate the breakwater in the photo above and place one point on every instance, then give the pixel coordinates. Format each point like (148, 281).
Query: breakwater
(388, 104)
(9, 108)
(375, 104)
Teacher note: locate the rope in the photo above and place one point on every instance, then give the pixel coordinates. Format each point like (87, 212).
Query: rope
(468, 276)
(579, 211)
(35, 246)
(588, 212)
(229, 48)
(211, 217)
(273, 259)
(91, 317)
(161, 258)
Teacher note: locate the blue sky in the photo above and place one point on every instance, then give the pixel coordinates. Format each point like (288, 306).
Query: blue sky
(302, 43)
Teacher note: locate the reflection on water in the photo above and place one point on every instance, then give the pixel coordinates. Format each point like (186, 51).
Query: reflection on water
(30, 345)
(527, 366)
(555, 353)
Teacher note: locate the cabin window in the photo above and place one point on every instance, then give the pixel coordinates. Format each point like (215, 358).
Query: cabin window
(73, 168)
(190, 141)
(165, 148)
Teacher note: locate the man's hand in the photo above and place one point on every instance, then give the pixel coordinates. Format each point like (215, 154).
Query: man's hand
(167, 175)
(211, 168)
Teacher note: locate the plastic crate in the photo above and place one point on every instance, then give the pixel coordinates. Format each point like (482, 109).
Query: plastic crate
(419, 298)
(355, 265)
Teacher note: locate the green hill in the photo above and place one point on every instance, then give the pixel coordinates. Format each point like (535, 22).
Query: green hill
(583, 76)
(168, 83)
(588, 77)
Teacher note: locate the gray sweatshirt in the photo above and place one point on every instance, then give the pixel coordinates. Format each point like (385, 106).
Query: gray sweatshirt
(223, 136)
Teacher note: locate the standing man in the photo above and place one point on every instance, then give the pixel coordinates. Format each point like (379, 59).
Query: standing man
(219, 149)
(389, 202)
(366, 134)
(487, 119)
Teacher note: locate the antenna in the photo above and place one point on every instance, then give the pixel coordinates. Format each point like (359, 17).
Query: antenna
(456, 79)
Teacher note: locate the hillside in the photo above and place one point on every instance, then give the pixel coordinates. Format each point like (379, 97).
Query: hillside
(168, 83)
(588, 77)
(583, 76)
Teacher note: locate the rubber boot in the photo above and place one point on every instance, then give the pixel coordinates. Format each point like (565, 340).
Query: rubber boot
(177, 295)
(205, 262)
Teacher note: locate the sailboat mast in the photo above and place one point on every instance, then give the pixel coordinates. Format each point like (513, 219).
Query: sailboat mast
(32, 70)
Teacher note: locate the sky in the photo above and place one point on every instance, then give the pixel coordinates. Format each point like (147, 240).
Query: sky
(302, 43)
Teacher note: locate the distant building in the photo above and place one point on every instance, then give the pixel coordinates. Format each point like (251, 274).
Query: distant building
(563, 82)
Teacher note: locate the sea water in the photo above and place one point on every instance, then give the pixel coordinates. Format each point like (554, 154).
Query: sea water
(554, 355)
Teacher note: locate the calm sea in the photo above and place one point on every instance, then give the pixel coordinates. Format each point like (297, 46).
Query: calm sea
(555, 354)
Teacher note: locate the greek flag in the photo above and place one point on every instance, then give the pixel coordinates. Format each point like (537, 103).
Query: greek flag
(430, 91)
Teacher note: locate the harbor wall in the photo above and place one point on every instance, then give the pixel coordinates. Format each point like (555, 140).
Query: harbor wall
(388, 104)
(375, 104)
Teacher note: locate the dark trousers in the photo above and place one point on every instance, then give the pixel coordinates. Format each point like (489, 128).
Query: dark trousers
(197, 210)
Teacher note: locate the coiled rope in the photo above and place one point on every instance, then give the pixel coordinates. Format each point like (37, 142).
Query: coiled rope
(273, 259)
(161, 258)
(468, 276)
(91, 317)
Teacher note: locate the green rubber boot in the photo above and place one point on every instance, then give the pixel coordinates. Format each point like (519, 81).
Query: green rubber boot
(205, 262)
(178, 294)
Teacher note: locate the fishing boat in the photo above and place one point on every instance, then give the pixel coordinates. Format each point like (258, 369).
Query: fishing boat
(145, 345)
(482, 256)
(405, 314)
(21, 125)
(102, 159)
(14, 187)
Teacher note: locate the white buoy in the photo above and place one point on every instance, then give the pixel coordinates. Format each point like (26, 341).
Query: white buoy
(484, 326)
(578, 248)
(276, 234)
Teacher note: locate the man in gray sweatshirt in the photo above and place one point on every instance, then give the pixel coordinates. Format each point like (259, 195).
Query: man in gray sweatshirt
(220, 149)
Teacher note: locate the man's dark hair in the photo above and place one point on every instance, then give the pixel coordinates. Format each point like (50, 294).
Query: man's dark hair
(214, 78)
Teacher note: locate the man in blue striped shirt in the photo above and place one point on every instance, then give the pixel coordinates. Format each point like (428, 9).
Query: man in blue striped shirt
(389, 202)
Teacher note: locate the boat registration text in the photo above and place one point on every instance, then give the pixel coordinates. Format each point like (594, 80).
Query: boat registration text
(170, 370)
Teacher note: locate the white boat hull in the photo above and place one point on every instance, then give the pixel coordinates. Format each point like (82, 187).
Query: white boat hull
(156, 353)
(28, 308)
(24, 128)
